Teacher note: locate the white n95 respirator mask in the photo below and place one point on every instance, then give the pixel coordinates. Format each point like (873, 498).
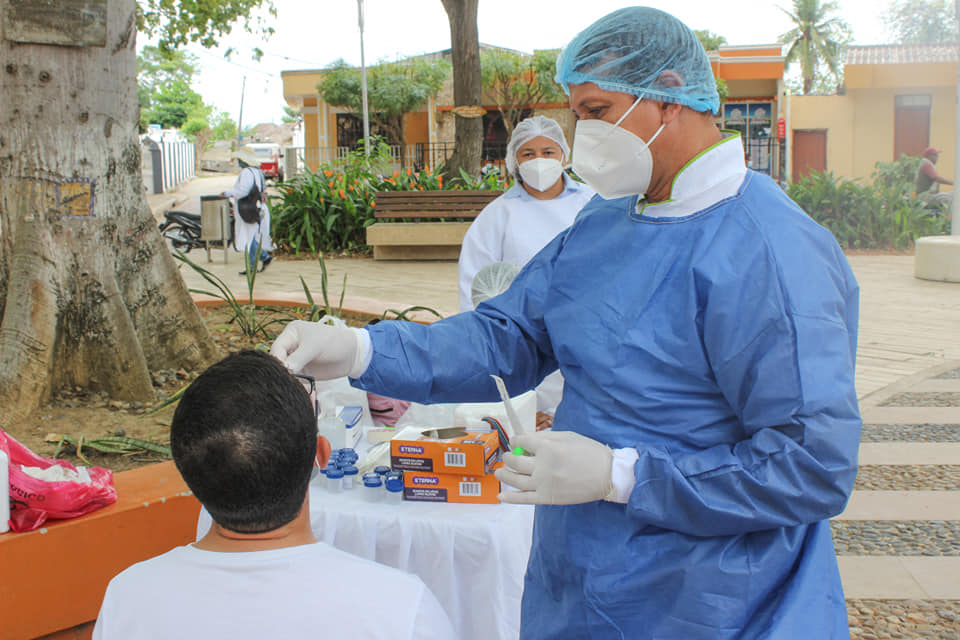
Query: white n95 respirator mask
(612, 160)
(541, 173)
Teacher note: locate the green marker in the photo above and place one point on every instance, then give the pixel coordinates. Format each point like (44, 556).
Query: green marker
(518, 451)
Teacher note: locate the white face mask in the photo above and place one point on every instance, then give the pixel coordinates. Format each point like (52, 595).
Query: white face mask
(541, 173)
(612, 160)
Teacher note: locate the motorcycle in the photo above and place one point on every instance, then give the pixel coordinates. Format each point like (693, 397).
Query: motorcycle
(181, 229)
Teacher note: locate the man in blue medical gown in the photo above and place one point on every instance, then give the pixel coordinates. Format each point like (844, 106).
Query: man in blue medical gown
(706, 328)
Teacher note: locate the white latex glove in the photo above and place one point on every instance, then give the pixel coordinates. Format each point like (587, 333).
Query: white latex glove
(564, 468)
(319, 350)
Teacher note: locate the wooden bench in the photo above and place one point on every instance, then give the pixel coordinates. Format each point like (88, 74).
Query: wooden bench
(54, 578)
(424, 225)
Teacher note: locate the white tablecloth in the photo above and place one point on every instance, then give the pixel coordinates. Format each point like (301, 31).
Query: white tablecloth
(472, 556)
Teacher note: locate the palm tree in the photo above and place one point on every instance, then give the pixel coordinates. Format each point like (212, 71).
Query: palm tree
(816, 37)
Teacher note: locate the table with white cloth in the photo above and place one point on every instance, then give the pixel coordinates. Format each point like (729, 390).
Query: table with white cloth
(471, 556)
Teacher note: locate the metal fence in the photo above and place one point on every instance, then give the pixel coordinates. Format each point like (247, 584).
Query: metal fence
(167, 163)
(767, 155)
(415, 156)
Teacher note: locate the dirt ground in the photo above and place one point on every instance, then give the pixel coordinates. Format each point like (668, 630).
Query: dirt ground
(75, 412)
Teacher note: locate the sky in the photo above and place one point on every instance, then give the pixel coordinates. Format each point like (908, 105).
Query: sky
(311, 34)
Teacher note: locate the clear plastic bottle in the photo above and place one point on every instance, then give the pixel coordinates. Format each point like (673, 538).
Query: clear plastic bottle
(334, 480)
(350, 478)
(372, 488)
(329, 424)
(4, 492)
(394, 493)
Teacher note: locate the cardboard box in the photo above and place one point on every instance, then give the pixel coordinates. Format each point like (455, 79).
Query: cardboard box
(445, 487)
(473, 454)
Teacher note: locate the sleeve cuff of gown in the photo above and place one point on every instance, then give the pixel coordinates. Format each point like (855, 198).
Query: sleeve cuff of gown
(364, 353)
(622, 475)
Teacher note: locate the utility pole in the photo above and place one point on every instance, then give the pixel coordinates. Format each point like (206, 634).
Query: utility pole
(240, 117)
(363, 83)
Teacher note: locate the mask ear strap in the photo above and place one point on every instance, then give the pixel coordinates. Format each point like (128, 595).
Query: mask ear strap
(650, 141)
(627, 112)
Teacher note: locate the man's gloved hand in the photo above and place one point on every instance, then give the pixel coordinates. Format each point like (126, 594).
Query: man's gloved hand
(319, 350)
(564, 468)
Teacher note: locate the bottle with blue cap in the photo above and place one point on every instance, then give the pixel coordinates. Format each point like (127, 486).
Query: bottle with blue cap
(334, 479)
(372, 487)
(350, 479)
(394, 485)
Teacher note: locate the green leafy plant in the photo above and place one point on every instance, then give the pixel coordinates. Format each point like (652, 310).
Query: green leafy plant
(317, 311)
(882, 215)
(248, 316)
(403, 315)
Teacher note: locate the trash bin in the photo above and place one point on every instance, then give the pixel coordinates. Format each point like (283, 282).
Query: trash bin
(215, 222)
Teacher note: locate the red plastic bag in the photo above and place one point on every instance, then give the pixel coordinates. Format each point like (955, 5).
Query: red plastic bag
(33, 501)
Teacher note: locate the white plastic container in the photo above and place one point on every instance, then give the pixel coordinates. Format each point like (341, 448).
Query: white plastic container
(394, 490)
(373, 490)
(329, 424)
(4, 492)
(334, 480)
(351, 478)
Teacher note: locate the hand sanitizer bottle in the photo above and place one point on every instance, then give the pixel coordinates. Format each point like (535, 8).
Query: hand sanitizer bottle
(329, 425)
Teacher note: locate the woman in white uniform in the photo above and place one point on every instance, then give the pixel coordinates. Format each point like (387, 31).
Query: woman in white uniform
(517, 225)
(543, 202)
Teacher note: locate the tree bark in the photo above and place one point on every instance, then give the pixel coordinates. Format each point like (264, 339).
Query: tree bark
(89, 295)
(467, 86)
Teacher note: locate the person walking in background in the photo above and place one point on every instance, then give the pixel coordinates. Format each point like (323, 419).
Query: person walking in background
(251, 220)
(929, 181)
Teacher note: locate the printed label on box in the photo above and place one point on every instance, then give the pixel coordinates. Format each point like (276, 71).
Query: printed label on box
(443, 487)
(473, 454)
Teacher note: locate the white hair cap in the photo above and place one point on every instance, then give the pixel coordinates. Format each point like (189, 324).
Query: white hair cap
(492, 280)
(527, 130)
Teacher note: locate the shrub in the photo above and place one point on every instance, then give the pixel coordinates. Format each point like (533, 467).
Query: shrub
(882, 215)
(328, 209)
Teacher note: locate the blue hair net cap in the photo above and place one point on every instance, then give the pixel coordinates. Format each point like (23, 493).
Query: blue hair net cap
(644, 52)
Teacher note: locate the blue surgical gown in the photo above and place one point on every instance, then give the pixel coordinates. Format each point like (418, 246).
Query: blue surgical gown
(721, 346)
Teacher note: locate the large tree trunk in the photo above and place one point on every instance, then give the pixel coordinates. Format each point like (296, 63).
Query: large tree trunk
(89, 295)
(467, 86)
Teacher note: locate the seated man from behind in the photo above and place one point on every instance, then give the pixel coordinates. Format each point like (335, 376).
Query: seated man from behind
(244, 438)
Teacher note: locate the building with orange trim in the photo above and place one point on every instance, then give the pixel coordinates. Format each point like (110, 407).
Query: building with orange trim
(895, 99)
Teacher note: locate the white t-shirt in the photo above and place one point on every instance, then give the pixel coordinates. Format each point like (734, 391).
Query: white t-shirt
(514, 228)
(307, 591)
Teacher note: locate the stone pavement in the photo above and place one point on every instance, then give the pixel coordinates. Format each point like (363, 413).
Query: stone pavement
(898, 541)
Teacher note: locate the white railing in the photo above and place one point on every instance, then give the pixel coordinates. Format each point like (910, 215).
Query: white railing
(179, 162)
(167, 163)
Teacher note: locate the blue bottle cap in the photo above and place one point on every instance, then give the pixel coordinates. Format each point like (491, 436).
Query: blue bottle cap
(350, 471)
(334, 474)
(373, 483)
(394, 484)
(382, 470)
